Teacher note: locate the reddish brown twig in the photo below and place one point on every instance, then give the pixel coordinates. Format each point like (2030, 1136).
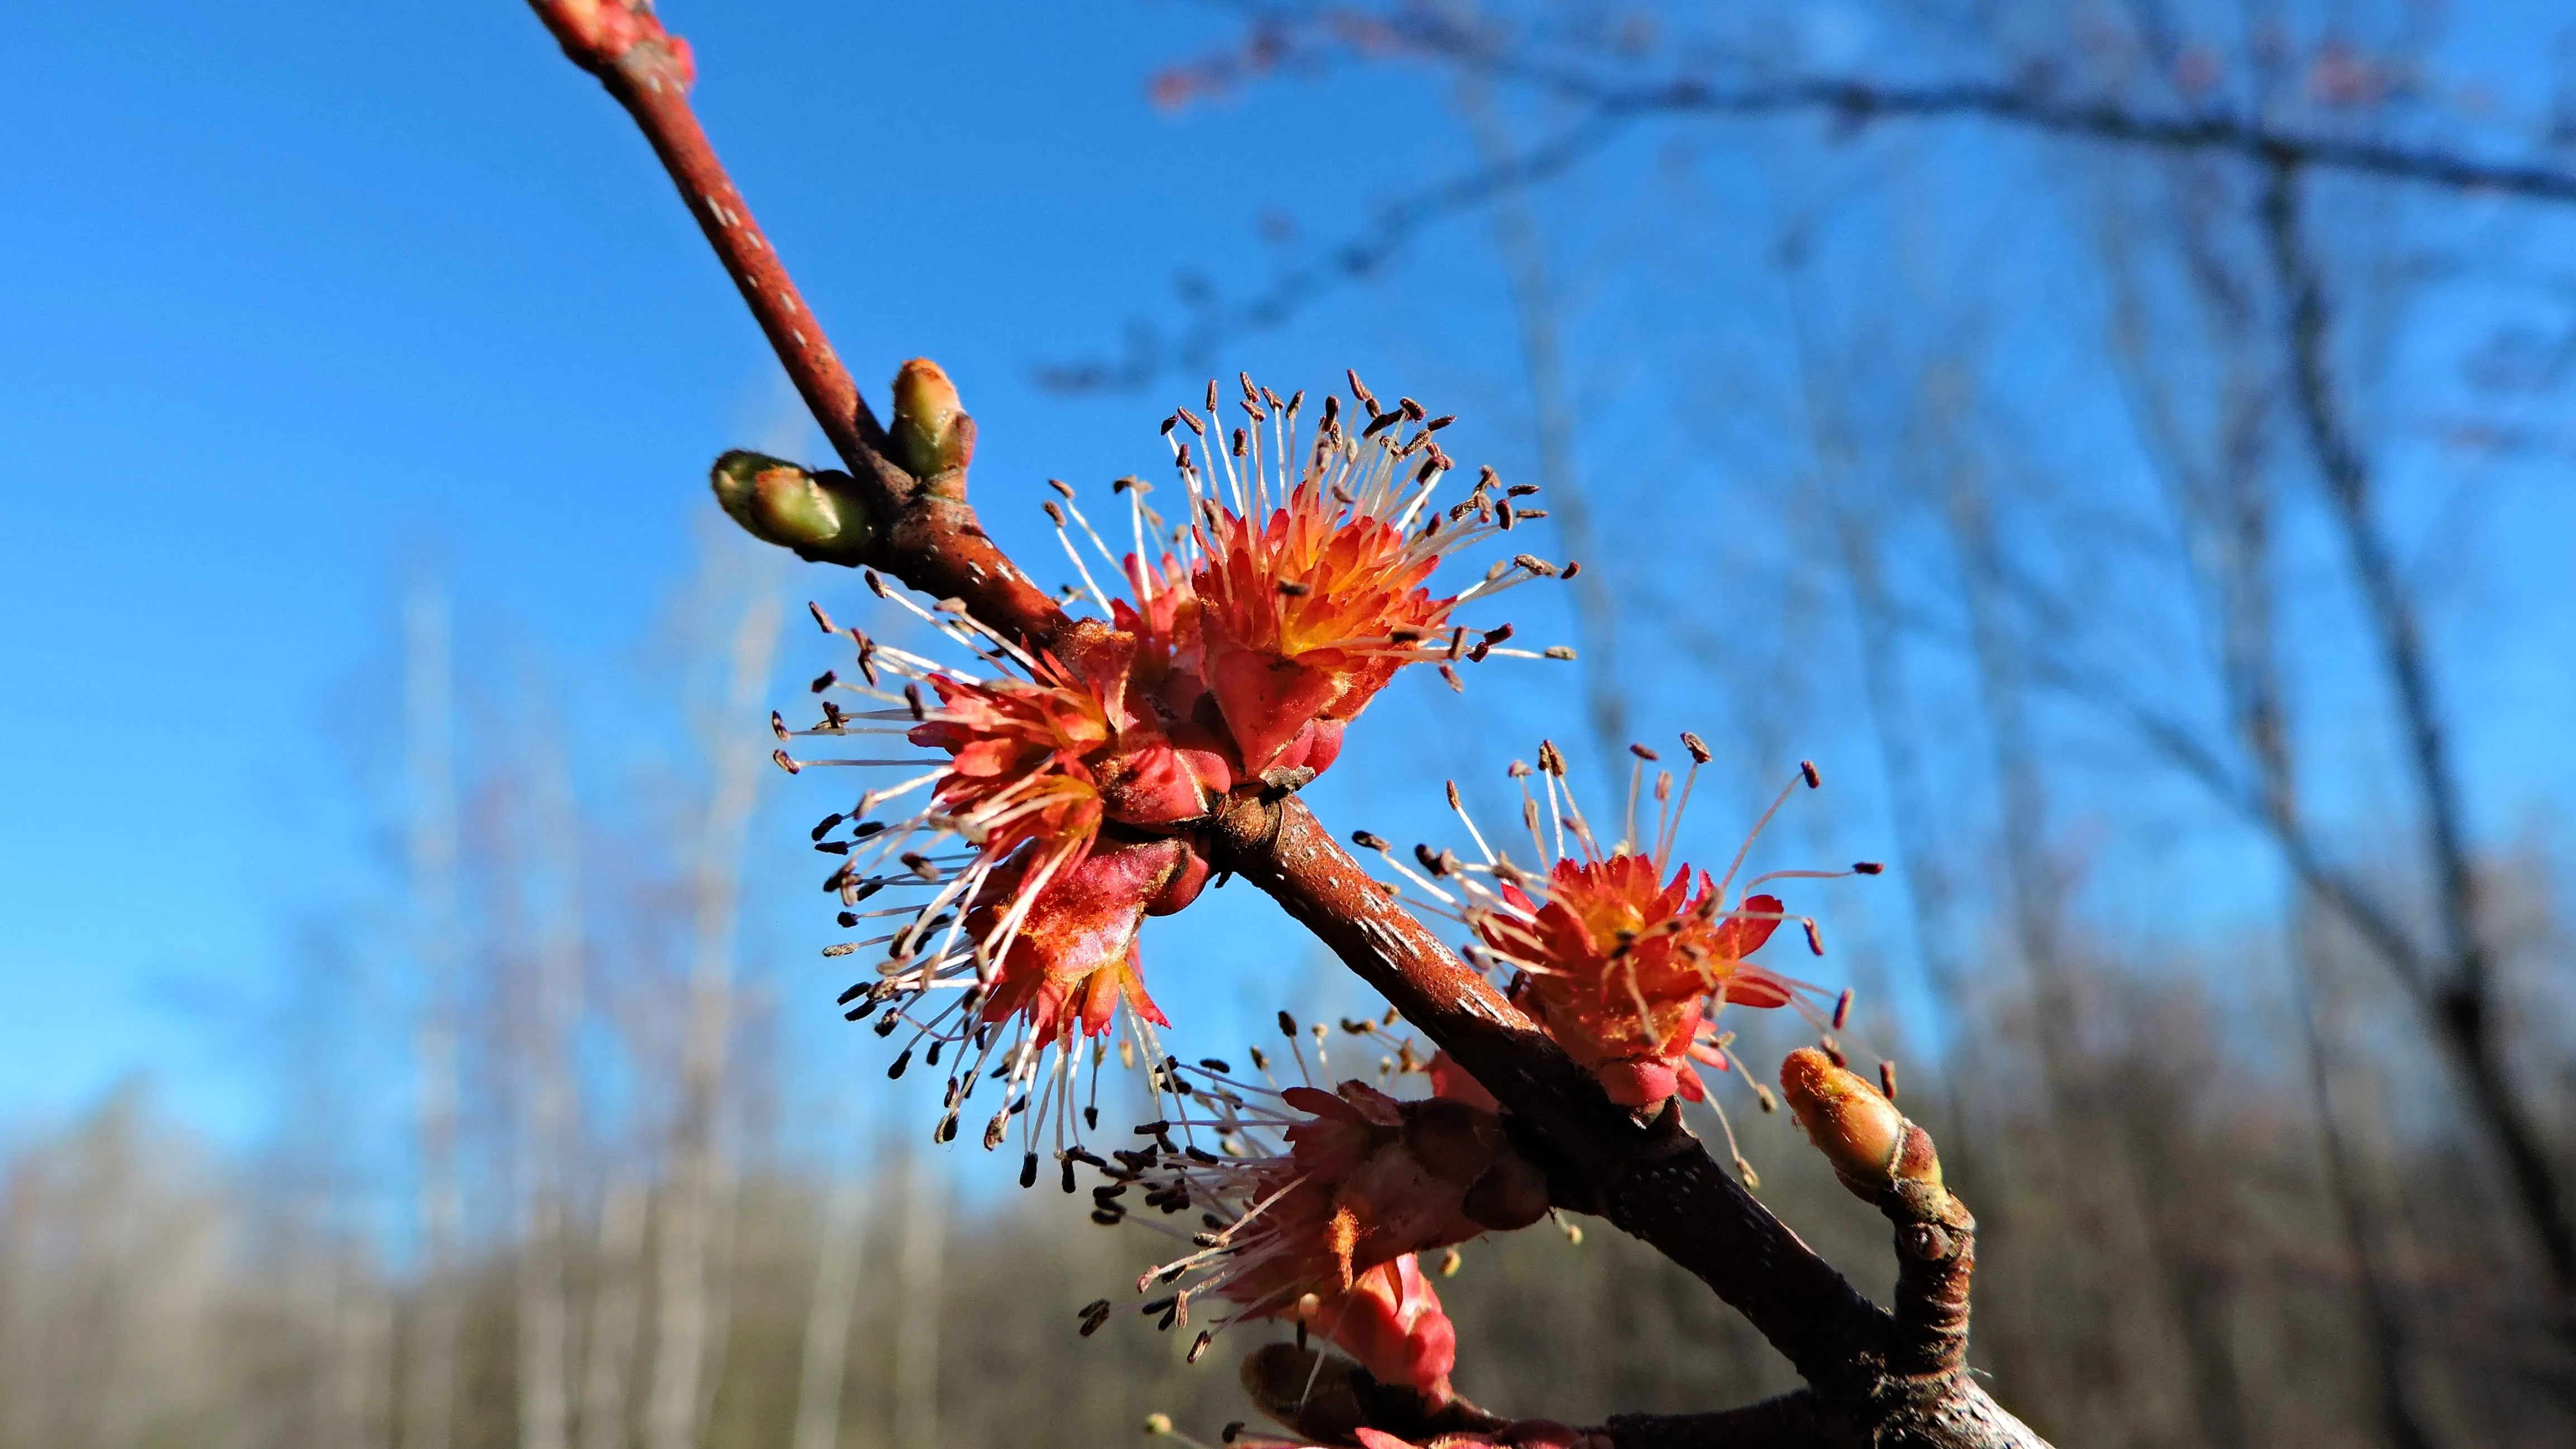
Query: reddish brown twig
(925, 533)
(1877, 1378)
(649, 71)
(1651, 1180)
(2455, 985)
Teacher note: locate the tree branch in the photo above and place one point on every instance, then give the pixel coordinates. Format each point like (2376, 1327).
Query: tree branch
(1652, 1181)
(2026, 104)
(649, 71)
(1858, 101)
(1354, 257)
(1609, 107)
(2461, 999)
(921, 530)
(1777, 1423)
(1895, 1379)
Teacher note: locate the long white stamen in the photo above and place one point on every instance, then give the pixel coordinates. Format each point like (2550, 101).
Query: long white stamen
(1755, 834)
(1098, 595)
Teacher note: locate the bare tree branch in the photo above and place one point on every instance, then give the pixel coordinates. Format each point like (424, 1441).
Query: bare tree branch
(1354, 258)
(2027, 103)
(1886, 1379)
(1790, 1419)
(921, 530)
(1607, 106)
(2461, 999)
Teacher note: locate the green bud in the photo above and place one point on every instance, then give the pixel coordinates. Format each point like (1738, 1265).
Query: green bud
(931, 433)
(815, 514)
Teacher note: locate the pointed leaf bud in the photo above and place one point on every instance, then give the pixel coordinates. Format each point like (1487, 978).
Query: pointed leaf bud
(931, 433)
(1870, 1144)
(817, 515)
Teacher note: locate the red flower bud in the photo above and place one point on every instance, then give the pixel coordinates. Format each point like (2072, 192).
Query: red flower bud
(1870, 1144)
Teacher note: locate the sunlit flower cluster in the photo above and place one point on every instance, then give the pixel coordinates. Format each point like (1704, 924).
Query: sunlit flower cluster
(1625, 954)
(1314, 1206)
(1060, 785)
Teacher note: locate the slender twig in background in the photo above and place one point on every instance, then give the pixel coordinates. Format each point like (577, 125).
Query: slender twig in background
(1354, 258)
(1607, 107)
(547, 1135)
(2383, 1331)
(2224, 511)
(842, 1239)
(2034, 881)
(615, 1319)
(918, 1277)
(2458, 992)
(431, 1371)
(696, 1203)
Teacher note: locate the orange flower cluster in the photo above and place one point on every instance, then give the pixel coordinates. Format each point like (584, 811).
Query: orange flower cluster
(1622, 969)
(1307, 657)
(1037, 769)
(1309, 580)
(1069, 778)
(1319, 1207)
(1625, 955)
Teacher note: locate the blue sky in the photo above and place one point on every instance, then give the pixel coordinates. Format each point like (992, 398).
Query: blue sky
(306, 300)
(310, 298)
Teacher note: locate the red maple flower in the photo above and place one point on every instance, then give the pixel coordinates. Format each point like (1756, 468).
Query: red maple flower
(1623, 954)
(1068, 775)
(1319, 1204)
(1038, 770)
(1027, 752)
(1304, 618)
(1621, 966)
(1063, 788)
(1312, 586)
(1071, 958)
